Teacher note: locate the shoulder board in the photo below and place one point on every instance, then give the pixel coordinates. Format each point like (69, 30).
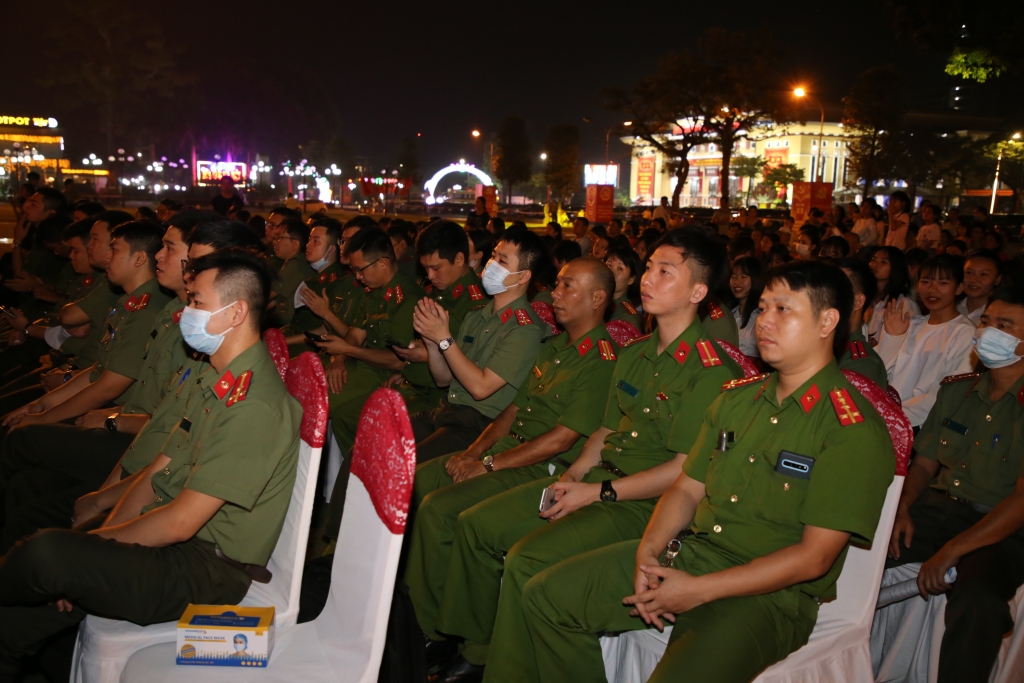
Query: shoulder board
(240, 389)
(746, 381)
(857, 350)
(636, 340)
(708, 355)
(522, 317)
(960, 378)
(136, 303)
(846, 409)
(478, 307)
(474, 293)
(714, 310)
(605, 349)
(630, 308)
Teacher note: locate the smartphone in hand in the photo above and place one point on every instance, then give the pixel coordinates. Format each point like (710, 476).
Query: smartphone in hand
(313, 337)
(547, 499)
(391, 343)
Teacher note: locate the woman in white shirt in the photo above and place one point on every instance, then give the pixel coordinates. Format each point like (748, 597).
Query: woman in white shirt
(865, 227)
(899, 220)
(746, 287)
(919, 351)
(890, 268)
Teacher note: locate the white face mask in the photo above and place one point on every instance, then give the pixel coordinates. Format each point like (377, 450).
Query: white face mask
(474, 263)
(493, 278)
(995, 348)
(803, 249)
(193, 329)
(322, 263)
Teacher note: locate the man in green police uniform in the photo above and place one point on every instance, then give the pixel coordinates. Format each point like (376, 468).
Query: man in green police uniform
(718, 323)
(486, 364)
(290, 247)
(608, 493)
(325, 284)
(131, 266)
(201, 524)
(970, 452)
(771, 493)
(275, 228)
(860, 356)
(537, 435)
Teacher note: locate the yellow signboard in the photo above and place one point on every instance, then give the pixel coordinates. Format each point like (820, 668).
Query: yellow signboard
(33, 121)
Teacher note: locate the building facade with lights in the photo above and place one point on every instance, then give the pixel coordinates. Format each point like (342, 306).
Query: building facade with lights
(30, 143)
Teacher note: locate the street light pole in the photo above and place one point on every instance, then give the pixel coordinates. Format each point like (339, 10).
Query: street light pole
(800, 93)
(995, 184)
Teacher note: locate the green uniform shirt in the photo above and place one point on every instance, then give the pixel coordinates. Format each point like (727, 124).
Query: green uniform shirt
(720, 323)
(543, 295)
(43, 263)
(656, 401)
(860, 356)
(164, 354)
(295, 271)
(460, 298)
(624, 310)
(567, 386)
(304, 319)
(386, 313)
(274, 262)
(980, 444)
(409, 265)
(345, 301)
(128, 329)
(93, 294)
(750, 509)
(238, 440)
(507, 342)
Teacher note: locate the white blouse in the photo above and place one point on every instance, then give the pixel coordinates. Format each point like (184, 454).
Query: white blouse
(748, 337)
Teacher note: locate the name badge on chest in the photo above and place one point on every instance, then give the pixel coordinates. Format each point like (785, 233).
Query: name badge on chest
(628, 388)
(955, 426)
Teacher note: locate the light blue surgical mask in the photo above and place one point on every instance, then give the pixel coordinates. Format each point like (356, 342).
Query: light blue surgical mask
(322, 263)
(193, 329)
(493, 277)
(995, 348)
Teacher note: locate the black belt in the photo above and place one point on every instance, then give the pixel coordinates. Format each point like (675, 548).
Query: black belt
(259, 574)
(555, 459)
(977, 507)
(609, 467)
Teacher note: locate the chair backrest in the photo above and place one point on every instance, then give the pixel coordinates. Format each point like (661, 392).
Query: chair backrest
(278, 348)
(900, 430)
(622, 332)
(306, 383)
(741, 359)
(857, 588)
(547, 314)
(354, 621)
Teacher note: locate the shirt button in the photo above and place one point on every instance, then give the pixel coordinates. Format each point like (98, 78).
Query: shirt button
(774, 420)
(556, 396)
(785, 487)
(527, 408)
(751, 458)
(956, 482)
(520, 424)
(557, 362)
(618, 449)
(656, 374)
(963, 465)
(159, 499)
(647, 410)
(167, 471)
(718, 528)
(453, 395)
(942, 442)
(988, 417)
(635, 435)
(734, 498)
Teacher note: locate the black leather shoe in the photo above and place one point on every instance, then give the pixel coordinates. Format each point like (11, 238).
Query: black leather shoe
(461, 671)
(439, 651)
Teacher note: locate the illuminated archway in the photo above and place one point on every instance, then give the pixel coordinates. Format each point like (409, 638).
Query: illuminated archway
(431, 184)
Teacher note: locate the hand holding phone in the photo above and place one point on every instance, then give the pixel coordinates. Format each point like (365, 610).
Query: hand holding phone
(313, 337)
(390, 343)
(547, 499)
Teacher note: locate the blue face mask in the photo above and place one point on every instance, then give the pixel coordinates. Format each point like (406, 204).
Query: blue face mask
(322, 263)
(193, 329)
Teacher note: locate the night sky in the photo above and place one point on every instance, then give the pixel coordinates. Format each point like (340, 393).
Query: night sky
(444, 68)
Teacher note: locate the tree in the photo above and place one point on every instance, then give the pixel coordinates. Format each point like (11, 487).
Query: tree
(873, 112)
(563, 169)
(749, 168)
(783, 175)
(512, 159)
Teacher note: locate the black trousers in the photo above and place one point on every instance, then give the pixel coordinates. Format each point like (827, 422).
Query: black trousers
(103, 577)
(977, 611)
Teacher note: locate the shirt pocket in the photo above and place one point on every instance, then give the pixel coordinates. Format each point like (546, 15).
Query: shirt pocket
(954, 448)
(997, 461)
(778, 497)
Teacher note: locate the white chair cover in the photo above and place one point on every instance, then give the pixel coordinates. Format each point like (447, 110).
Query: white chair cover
(838, 647)
(346, 642)
(104, 645)
(334, 462)
(906, 637)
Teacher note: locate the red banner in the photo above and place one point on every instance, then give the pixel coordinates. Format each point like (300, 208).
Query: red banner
(645, 180)
(490, 195)
(807, 196)
(600, 203)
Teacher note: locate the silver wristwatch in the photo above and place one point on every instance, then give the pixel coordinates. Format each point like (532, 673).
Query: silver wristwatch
(488, 462)
(445, 344)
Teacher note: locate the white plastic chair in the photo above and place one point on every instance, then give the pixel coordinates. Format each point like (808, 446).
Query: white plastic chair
(104, 645)
(906, 637)
(346, 642)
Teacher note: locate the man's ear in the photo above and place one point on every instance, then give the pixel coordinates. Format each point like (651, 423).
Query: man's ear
(859, 301)
(139, 259)
(239, 313)
(600, 299)
(699, 293)
(460, 259)
(829, 321)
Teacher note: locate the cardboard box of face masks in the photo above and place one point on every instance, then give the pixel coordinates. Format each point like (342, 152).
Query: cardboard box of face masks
(225, 635)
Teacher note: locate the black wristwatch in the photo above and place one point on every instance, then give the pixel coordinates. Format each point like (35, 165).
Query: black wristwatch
(608, 494)
(111, 423)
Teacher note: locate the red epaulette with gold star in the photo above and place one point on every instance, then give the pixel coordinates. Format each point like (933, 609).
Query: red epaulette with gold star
(714, 310)
(629, 307)
(240, 389)
(584, 346)
(396, 292)
(176, 317)
(745, 381)
(846, 409)
(857, 350)
(605, 348)
(474, 293)
(637, 340)
(224, 384)
(457, 290)
(682, 351)
(334, 277)
(88, 281)
(960, 378)
(708, 355)
(322, 278)
(523, 317)
(505, 315)
(810, 398)
(136, 303)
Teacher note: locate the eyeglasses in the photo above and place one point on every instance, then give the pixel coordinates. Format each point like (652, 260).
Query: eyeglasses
(360, 270)
(285, 237)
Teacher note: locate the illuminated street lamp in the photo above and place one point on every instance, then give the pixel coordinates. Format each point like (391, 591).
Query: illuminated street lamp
(800, 93)
(995, 183)
(475, 133)
(543, 156)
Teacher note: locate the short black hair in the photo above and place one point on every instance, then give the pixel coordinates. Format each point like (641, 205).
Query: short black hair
(141, 235)
(444, 238)
(286, 212)
(113, 218)
(373, 242)
(483, 242)
(53, 200)
(557, 228)
(297, 230)
(333, 226)
(186, 222)
(79, 229)
(826, 286)
(241, 276)
(398, 231)
(987, 254)
(89, 208)
(171, 204)
(861, 277)
(660, 221)
(839, 243)
(532, 254)
(943, 265)
(51, 230)
(916, 256)
(567, 250)
(146, 213)
(221, 234)
(1012, 294)
(582, 219)
(361, 221)
(705, 255)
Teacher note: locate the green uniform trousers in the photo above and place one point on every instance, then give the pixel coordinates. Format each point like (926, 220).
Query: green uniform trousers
(569, 605)
(104, 577)
(439, 505)
(978, 611)
(44, 469)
